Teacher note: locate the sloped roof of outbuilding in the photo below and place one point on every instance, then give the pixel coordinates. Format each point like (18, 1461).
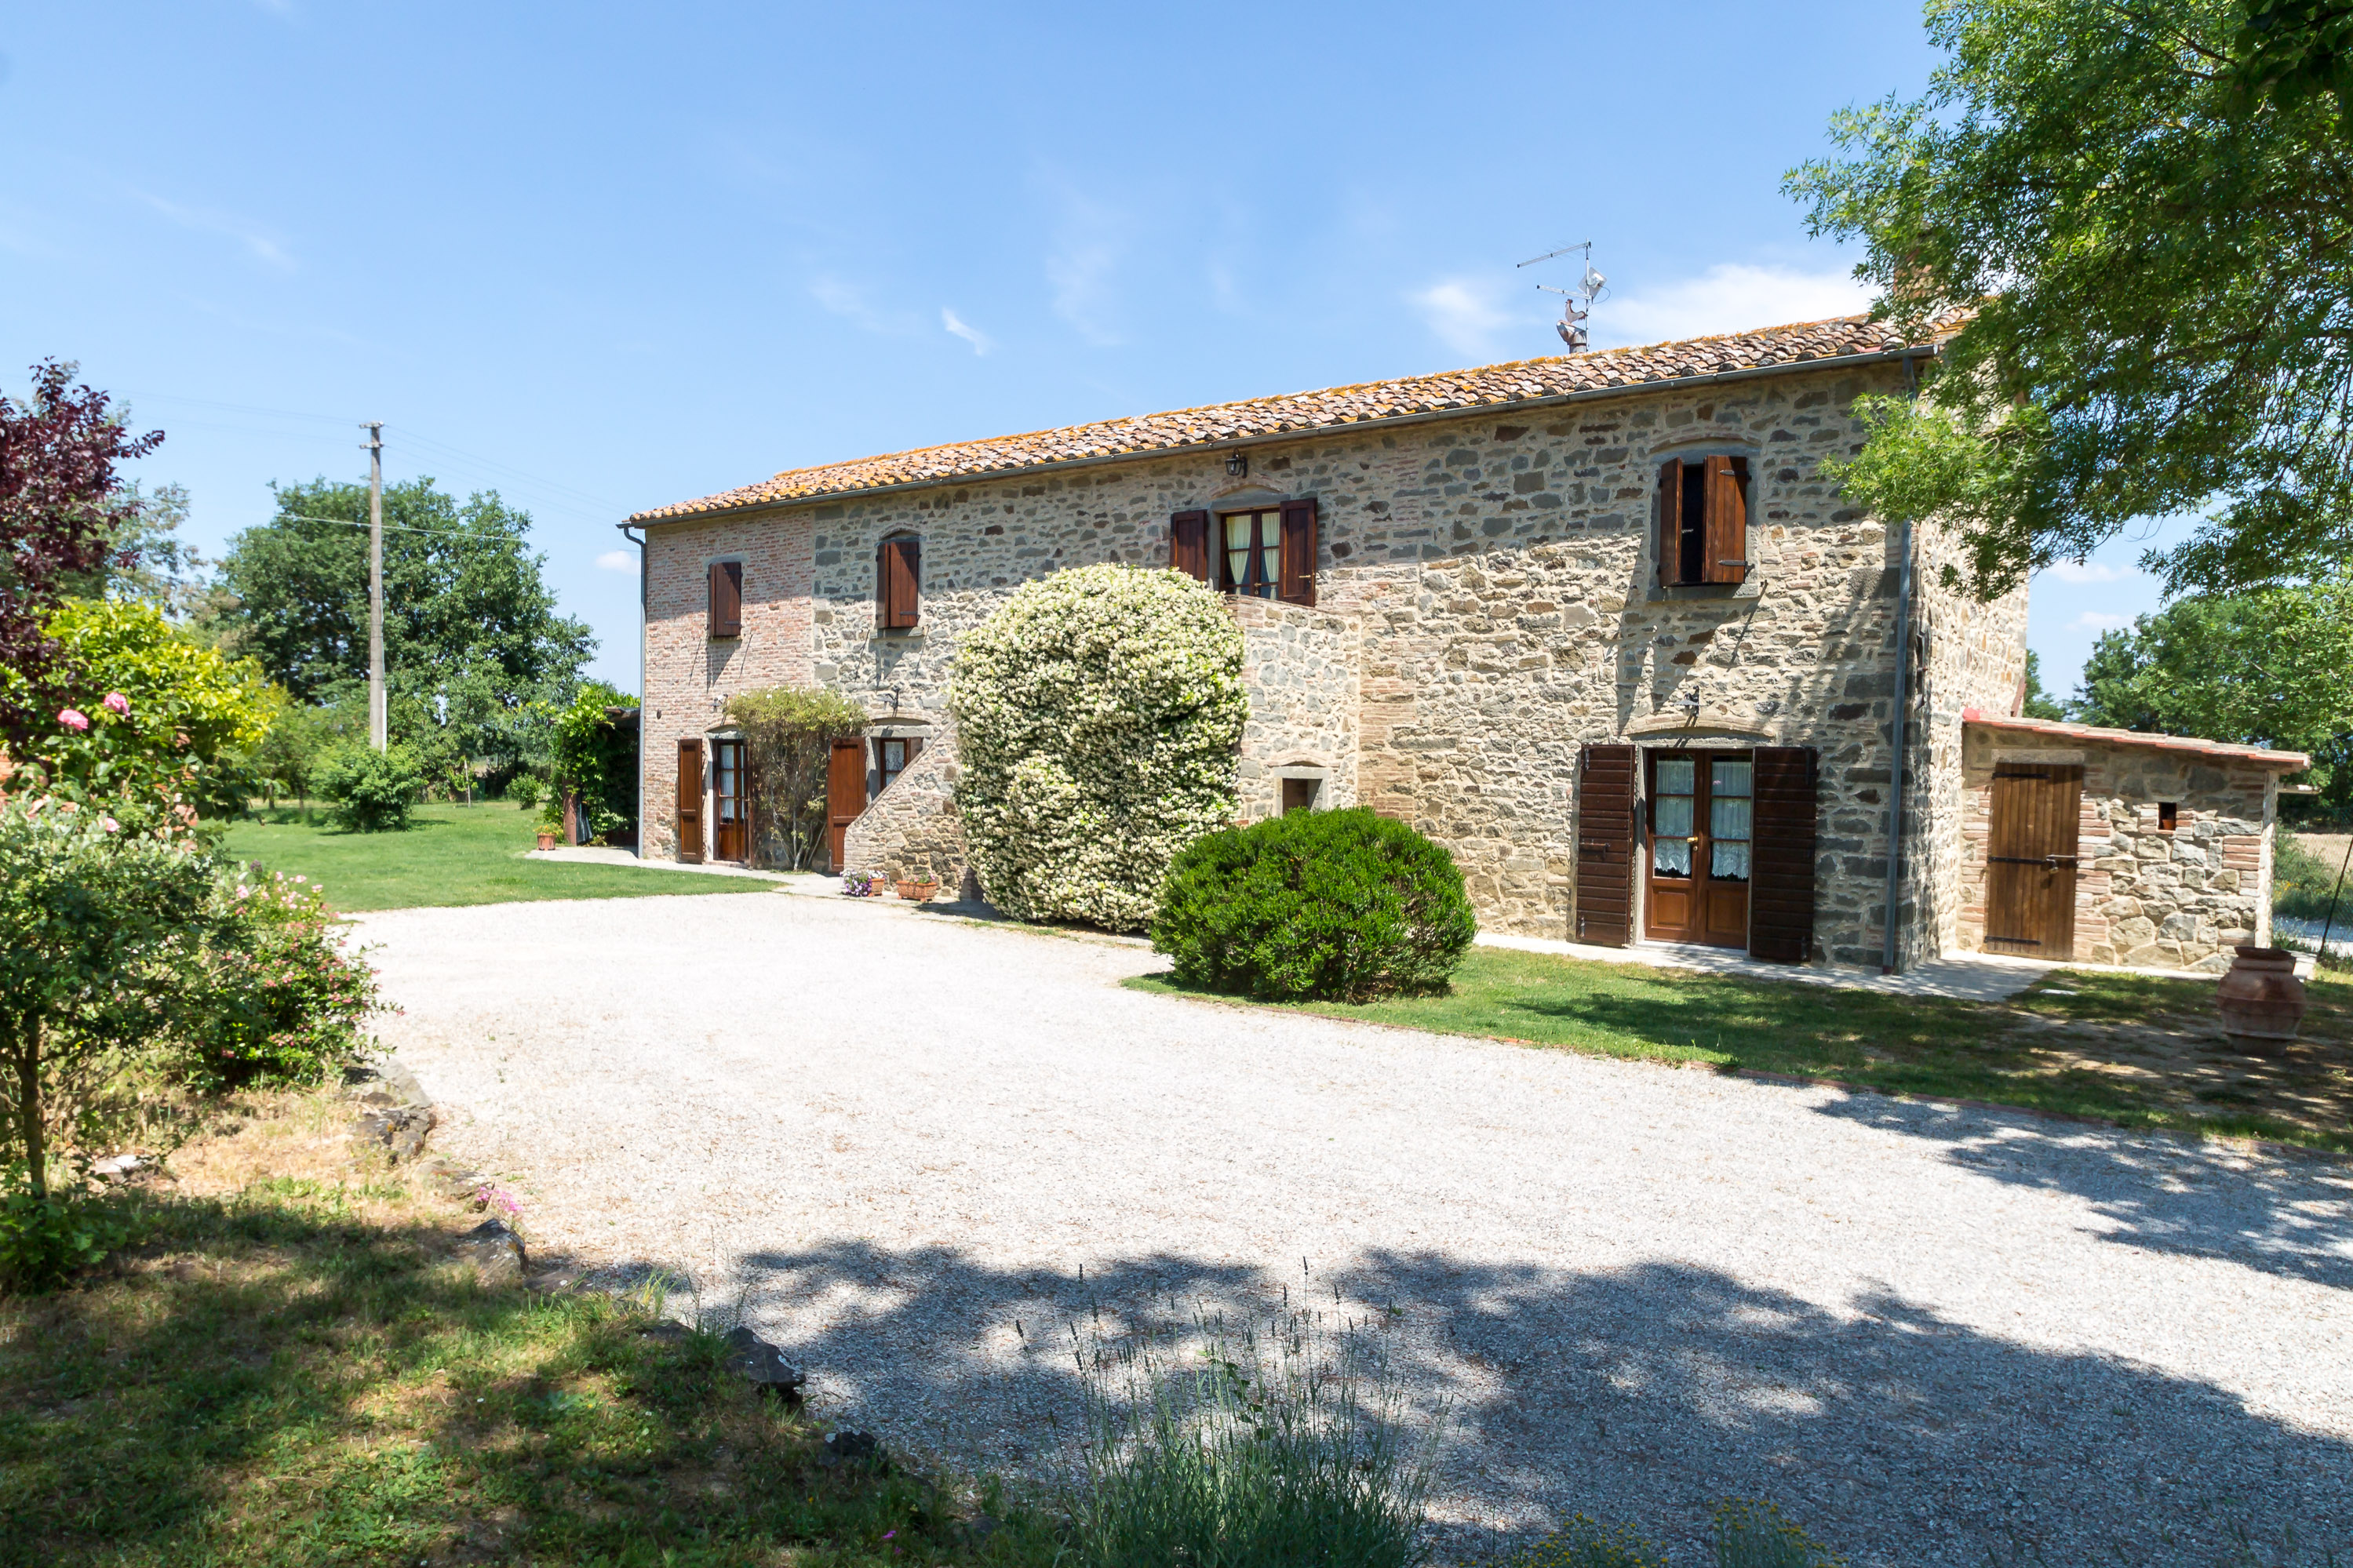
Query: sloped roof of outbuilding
(2220, 751)
(1493, 387)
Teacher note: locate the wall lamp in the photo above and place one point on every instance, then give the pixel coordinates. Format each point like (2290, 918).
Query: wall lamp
(1236, 464)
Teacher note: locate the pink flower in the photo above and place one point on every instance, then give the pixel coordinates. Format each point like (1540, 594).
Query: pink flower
(118, 702)
(109, 824)
(73, 719)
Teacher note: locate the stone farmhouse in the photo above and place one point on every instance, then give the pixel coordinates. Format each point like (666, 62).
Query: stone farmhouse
(1600, 624)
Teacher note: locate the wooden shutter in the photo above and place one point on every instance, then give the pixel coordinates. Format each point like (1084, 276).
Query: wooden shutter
(1725, 559)
(726, 598)
(1608, 834)
(1188, 545)
(1295, 578)
(1671, 521)
(1781, 856)
(690, 800)
(845, 794)
(898, 583)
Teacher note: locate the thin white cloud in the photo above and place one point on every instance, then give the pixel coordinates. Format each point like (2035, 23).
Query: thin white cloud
(2099, 621)
(849, 302)
(258, 242)
(1728, 298)
(619, 560)
(2092, 572)
(981, 343)
(1082, 270)
(1468, 317)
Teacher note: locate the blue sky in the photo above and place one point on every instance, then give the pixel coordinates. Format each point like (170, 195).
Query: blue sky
(600, 257)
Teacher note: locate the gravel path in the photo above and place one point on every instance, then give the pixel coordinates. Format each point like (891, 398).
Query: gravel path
(1927, 1333)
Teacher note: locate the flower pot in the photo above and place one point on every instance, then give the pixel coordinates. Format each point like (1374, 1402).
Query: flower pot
(918, 892)
(2261, 1000)
(547, 838)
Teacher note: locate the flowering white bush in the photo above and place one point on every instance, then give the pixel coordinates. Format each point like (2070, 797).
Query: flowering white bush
(1098, 722)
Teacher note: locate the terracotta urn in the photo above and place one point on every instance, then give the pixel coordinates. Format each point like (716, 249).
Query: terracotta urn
(2261, 1000)
(547, 838)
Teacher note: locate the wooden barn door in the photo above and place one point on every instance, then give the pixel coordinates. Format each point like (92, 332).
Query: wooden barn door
(1608, 830)
(2030, 859)
(845, 795)
(690, 800)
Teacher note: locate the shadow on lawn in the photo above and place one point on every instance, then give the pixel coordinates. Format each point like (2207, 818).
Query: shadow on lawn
(1641, 1394)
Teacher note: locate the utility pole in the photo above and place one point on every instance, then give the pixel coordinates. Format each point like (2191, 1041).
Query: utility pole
(374, 444)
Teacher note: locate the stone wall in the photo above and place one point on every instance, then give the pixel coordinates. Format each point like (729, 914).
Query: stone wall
(1300, 666)
(1500, 572)
(2143, 896)
(911, 828)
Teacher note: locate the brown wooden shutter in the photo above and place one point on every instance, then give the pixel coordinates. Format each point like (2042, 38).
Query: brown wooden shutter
(1188, 545)
(1671, 523)
(1781, 859)
(690, 800)
(898, 583)
(845, 794)
(1295, 578)
(726, 598)
(1726, 541)
(1609, 834)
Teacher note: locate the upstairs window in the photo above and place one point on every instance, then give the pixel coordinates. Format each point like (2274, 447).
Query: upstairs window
(1703, 520)
(727, 600)
(1266, 552)
(892, 755)
(898, 583)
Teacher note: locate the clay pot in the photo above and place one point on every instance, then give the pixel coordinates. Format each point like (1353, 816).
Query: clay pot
(2261, 1000)
(918, 892)
(547, 838)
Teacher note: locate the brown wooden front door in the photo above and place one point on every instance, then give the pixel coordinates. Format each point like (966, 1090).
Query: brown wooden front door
(690, 800)
(845, 795)
(1702, 826)
(2030, 859)
(731, 834)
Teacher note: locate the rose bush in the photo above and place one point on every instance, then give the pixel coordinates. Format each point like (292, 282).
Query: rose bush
(1099, 718)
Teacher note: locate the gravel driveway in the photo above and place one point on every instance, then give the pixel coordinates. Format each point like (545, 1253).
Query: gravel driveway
(1927, 1333)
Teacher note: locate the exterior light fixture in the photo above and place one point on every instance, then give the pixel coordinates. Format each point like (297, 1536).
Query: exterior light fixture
(1236, 464)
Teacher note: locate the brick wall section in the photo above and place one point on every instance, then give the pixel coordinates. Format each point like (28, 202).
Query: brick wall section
(689, 676)
(2143, 897)
(1499, 571)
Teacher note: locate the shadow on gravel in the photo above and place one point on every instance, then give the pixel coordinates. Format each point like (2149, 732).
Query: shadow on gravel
(2289, 1214)
(1644, 1396)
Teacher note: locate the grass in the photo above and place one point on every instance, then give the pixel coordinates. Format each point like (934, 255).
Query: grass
(449, 855)
(289, 1372)
(2132, 1049)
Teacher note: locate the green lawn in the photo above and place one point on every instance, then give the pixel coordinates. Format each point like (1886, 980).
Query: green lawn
(2131, 1049)
(449, 855)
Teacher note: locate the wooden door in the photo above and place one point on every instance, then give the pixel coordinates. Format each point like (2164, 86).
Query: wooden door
(690, 800)
(2030, 859)
(1781, 891)
(731, 833)
(845, 795)
(1702, 830)
(1609, 831)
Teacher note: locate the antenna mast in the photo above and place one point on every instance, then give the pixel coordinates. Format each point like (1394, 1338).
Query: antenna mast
(1589, 288)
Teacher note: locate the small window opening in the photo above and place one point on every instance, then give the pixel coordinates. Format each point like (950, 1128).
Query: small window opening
(1690, 533)
(1299, 794)
(892, 755)
(2169, 815)
(1252, 557)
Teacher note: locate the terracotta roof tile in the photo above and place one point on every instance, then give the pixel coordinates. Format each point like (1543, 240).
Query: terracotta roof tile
(2287, 762)
(1498, 385)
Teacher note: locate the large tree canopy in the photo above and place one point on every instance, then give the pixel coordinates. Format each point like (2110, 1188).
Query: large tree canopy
(2150, 205)
(472, 633)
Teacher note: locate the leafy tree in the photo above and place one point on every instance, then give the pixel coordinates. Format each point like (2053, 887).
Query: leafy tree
(299, 738)
(148, 560)
(2270, 667)
(472, 639)
(62, 512)
(789, 734)
(372, 790)
(596, 759)
(2039, 703)
(2146, 203)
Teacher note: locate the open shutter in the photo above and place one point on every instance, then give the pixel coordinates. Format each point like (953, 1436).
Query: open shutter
(1295, 578)
(726, 598)
(898, 580)
(1608, 836)
(845, 794)
(1781, 884)
(1671, 523)
(1726, 558)
(690, 800)
(1188, 545)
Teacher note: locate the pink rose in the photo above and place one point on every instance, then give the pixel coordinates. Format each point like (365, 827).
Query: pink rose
(118, 702)
(109, 824)
(73, 719)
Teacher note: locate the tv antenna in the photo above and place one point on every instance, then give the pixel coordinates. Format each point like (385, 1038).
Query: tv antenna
(1589, 288)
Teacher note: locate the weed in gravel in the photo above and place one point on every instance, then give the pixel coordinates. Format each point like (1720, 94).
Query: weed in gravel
(1753, 1534)
(1586, 1542)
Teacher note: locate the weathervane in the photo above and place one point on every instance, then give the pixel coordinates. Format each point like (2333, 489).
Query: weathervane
(1571, 325)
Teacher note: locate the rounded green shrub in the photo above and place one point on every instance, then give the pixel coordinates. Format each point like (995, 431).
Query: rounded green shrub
(1099, 718)
(372, 790)
(1332, 905)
